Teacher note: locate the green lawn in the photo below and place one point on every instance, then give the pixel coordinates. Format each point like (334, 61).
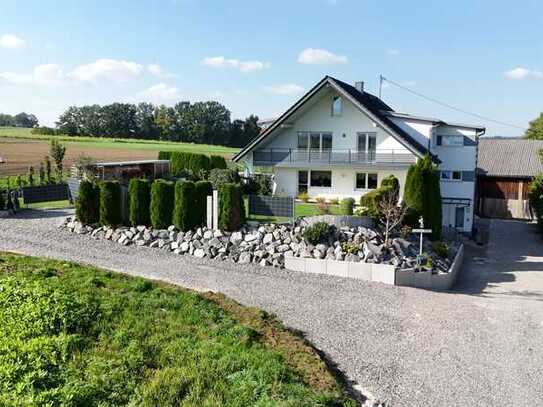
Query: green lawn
(78, 336)
(301, 209)
(115, 143)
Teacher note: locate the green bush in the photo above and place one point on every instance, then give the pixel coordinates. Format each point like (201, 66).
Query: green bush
(181, 161)
(217, 161)
(258, 184)
(87, 205)
(199, 162)
(110, 203)
(372, 199)
(423, 195)
(219, 177)
(203, 190)
(139, 196)
(440, 248)
(164, 155)
(185, 212)
(162, 203)
(535, 197)
(2, 203)
(347, 206)
(320, 232)
(231, 207)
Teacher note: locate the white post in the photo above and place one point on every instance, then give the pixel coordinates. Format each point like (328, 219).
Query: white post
(420, 249)
(215, 210)
(209, 213)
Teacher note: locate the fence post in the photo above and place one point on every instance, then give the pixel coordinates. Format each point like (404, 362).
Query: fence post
(209, 212)
(215, 210)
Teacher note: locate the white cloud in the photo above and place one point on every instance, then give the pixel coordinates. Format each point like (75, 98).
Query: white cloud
(286, 89)
(160, 93)
(317, 56)
(155, 69)
(15, 78)
(243, 66)
(11, 41)
(47, 74)
(523, 73)
(393, 52)
(109, 69)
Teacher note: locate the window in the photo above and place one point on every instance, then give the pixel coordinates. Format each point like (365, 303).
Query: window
(450, 140)
(448, 175)
(314, 141)
(321, 179)
(337, 106)
(302, 181)
(366, 181)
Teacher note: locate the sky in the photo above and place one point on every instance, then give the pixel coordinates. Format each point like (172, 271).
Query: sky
(259, 57)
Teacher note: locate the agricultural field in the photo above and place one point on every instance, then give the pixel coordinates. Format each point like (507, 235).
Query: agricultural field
(20, 149)
(77, 335)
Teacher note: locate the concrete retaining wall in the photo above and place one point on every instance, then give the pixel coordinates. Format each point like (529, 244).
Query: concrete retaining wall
(383, 273)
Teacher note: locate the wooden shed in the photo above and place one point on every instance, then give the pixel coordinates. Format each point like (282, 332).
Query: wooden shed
(505, 168)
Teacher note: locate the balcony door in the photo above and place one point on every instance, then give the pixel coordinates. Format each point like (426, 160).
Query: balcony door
(314, 146)
(367, 146)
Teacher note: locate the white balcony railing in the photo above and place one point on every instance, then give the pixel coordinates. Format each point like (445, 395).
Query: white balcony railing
(277, 156)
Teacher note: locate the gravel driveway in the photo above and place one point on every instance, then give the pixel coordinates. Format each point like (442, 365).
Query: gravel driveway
(480, 345)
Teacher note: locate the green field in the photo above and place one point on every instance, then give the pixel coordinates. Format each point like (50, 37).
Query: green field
(74, 335)
(108, 143)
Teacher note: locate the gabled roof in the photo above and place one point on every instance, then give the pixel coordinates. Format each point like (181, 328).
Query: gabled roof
(509, 157)
(374, 107)
(432, 120)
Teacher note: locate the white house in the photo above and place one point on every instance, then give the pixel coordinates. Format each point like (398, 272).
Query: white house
(339, 141)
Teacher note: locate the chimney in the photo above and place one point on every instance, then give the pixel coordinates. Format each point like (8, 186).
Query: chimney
(359, 86)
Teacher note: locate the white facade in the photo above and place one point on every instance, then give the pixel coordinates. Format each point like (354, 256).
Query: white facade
(316, 150)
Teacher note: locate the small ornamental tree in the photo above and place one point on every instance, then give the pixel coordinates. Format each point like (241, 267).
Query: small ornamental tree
(185, 212)
(57, 152)
(87, 204)
(30, 176)
(347, 206)
(535, 197)
(218, 177)
(231, 207)
(139, 202)
(162, 202)
(110, 203)
(203, 190)
(41, 175)
(48, 169)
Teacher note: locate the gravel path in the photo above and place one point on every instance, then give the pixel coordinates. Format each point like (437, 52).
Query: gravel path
(476, 346)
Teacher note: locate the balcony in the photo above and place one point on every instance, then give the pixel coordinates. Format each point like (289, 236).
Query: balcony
(293, 157)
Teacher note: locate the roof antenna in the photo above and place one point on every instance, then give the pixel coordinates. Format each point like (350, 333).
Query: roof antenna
(381, 79)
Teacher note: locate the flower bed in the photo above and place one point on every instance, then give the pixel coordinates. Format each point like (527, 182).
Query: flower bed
(268, 245)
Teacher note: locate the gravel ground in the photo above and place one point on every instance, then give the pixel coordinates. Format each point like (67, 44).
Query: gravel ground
(480, 345)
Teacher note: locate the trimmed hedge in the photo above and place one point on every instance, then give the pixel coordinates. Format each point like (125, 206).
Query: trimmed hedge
(87, 205)
(139, 202)
(2, 203)
(217, 161)
(110, 203)
(203, 189)
(231, 207)
(185, 212)
(347, 206)
(164, 155)
(162, 203)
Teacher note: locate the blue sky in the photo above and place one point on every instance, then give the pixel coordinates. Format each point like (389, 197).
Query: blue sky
(259, 57)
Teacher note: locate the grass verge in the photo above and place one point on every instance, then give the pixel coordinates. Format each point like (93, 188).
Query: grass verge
(77, 335)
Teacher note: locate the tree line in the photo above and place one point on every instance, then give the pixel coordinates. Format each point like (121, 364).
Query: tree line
(200, 122)
(19, 120)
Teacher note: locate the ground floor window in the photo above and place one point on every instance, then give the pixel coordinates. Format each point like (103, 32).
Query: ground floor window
(302, 181)
(321, 179)
(366, 180)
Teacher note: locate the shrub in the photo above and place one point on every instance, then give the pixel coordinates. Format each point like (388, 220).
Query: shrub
(217, 161)
(164, 155)
(333, 201)
(30, 176)
(139, 195)
(110, 203)
(199, 162)
(2, 203)
(196, 163)
(87, 205)
(231, 207)
(371, 200)
(320, 232)
(185, 212)
(162, 202)
(219, 177)
(323, 207)
(535, 197)
(347, 206)
(440, 248)
(203, 189)
(258, 184)
(361, 211)
(303, 196)
(349, 247)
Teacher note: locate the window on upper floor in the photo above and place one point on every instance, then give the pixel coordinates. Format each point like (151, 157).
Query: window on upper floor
(337, 106)
(447, 175)
(450, 140)
(314, 140)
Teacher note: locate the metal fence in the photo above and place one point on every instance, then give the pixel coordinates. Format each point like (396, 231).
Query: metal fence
(264, 205)
(73, 186)
(45, 193)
